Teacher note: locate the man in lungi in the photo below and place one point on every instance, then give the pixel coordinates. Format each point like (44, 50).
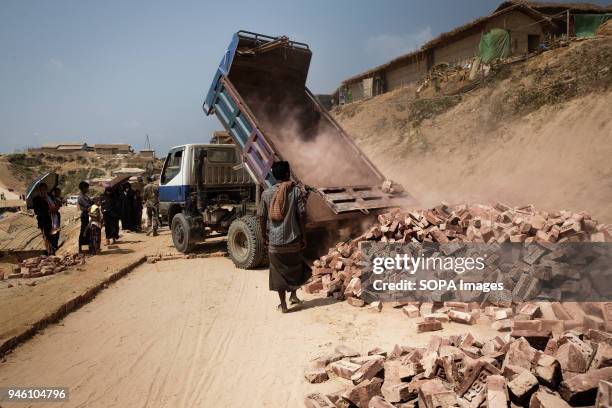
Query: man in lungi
(282, 216)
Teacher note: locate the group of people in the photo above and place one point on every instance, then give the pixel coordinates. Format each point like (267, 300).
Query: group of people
(117, 204)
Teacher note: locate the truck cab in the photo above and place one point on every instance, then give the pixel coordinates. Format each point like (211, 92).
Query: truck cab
(224, 178)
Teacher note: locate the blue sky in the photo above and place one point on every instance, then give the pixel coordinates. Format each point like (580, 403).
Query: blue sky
(113, 71)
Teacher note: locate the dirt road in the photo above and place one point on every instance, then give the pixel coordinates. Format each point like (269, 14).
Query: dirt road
(196, 333)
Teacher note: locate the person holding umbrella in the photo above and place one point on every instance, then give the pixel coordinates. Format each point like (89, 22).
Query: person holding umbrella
(43, 217)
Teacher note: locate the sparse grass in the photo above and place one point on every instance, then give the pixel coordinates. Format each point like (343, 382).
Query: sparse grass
(25, 166)
(96, 172)
(350, 110)
(421, 109)
(69, 182)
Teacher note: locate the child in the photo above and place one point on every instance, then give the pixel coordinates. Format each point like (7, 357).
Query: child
(95, 229)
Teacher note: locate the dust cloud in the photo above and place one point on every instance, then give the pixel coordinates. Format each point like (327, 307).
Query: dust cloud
(318, 153)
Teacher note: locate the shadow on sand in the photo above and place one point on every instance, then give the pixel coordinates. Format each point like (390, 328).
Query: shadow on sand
(309, 304)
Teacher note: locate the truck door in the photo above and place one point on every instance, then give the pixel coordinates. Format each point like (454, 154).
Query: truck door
(172, 186)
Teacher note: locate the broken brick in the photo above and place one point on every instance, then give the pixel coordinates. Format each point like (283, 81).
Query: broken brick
(343, 369)
(522, 387)
(361, 394)
(582, 388)
(318, 400)
(368, 370)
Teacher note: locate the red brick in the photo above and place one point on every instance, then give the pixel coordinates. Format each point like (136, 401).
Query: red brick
(536, 338)
(604, 395)
(461, 317)
(318, 400)
(574, 356)
(323, 361)
(428, 326)
(593, 322)
(379, 402)
(545, 399)
(313, 287)
(433, 394)
(361, 394)
(532, 325)
(603, 356)
(530, 310)
(582, 388)
(368, 370)
(522, 387)
(343, 369)
(316, 375)
(353, 301)
(411, 311)
(502, 325)
(497, 393)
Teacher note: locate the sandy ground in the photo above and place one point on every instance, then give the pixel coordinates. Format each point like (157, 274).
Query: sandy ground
(22, 305)
(198, 332)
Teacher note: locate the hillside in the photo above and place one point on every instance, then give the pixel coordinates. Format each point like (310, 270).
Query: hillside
(17, 170)
(537, 131)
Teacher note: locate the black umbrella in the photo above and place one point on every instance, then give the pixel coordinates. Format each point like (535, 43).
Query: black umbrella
(119, 180)
(50, 179)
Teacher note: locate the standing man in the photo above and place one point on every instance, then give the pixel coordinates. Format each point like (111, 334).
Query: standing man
(151, 197)
(282, 215)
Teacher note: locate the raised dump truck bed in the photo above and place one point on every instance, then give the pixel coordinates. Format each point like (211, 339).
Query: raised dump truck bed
(260, 96)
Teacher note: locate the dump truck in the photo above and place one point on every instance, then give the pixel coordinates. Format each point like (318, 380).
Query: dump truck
(260, 97)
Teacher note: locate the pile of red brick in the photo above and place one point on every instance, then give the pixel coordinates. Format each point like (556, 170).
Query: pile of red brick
(45, 265)
(527, 369)
(538, 317)
(337, 272)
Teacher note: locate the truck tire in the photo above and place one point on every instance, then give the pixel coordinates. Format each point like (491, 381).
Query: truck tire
(181, 233)
(245, 243)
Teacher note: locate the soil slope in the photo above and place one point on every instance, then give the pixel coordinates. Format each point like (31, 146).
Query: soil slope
(538, 131)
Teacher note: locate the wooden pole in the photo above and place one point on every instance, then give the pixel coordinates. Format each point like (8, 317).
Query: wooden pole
(567, 24)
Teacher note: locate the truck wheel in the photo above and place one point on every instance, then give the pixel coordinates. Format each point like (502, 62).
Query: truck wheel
(181, 233)
(245, 243)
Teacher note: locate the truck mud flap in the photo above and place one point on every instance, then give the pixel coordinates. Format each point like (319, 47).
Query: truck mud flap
(359, 198)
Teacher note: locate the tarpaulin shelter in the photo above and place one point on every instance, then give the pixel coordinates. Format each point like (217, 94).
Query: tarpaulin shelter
(585, 25)
(494, 44)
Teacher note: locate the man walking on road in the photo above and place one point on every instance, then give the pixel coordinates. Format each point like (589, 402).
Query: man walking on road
(282, 216)
(151, 198)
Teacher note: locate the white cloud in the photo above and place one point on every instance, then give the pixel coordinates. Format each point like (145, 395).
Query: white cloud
(55, 63)
(386, 46)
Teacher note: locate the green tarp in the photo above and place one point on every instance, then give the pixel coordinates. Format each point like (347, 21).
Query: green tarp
(494, 44)
(585, 25)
